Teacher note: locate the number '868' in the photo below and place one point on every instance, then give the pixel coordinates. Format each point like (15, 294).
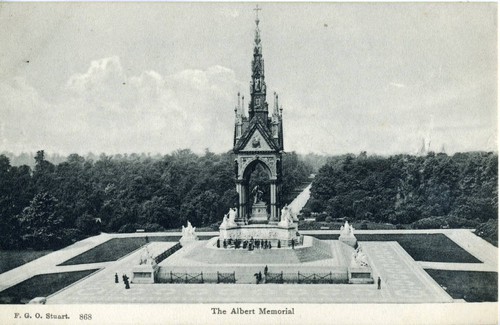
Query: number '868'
(85, 316)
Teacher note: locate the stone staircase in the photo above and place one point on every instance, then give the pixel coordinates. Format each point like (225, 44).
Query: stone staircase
(318, 251)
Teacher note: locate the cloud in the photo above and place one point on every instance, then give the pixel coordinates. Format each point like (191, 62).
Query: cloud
(107, 72)
(106, 110)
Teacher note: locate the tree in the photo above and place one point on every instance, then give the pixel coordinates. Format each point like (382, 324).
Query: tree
(40, 222)
(405, 189)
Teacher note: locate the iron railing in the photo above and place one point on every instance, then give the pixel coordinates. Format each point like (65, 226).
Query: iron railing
(226, 277)
(273, 277)
(314, 278)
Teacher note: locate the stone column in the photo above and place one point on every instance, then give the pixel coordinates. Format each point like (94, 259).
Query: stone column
(241, 200)
(274, 207)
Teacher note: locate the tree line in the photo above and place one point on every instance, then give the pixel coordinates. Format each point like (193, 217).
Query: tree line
(53, 205)
(432, 191)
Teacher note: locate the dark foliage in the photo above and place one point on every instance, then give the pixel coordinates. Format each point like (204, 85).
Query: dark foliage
(114, 249)
(421, 247)
(51, 206)
(468, 285)
(489, 231)
(11, 259)
(41, 285)
(435, 191)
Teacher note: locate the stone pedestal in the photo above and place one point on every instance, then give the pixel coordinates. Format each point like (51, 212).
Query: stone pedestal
(259, 213)
(144, 273)
(260, 231)
(360, 274)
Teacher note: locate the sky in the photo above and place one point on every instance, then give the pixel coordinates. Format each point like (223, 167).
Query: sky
(156, 77)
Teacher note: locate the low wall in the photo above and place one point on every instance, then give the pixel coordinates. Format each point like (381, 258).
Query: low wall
(245, 273)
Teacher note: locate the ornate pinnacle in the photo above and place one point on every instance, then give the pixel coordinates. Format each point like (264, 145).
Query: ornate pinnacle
(243, 105)
(275, 103)
(257, 34)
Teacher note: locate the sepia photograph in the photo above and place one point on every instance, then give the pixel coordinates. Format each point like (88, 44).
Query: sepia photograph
(153, 170)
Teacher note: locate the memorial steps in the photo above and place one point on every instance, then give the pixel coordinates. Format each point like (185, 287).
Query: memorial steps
(244, 256)
(313, 250)
(315, 256)
(318, 251)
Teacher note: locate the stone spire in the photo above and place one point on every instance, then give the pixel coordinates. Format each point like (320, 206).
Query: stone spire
(257, 105)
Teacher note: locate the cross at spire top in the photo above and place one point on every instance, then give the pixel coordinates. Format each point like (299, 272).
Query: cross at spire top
(257, 9)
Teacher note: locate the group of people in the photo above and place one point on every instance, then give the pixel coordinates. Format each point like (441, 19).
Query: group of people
(250, 244)
(258, 276)
(125, 280)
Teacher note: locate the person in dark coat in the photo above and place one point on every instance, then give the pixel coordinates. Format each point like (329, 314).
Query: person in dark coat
(265, 270)
(379, 283)
(125, 279)
(116, 278)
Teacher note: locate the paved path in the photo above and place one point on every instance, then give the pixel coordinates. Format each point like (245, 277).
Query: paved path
(388, 231)
(475, 245)
(459, 266)
(47, 263)
(170, 293)
(403, 279)
(298, 203)
(465, 238)
(404, 282)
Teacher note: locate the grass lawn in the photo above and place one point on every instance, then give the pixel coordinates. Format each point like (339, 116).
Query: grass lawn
(468, 285)
(335, 225)
(12, 259)
(116, 248)
(41, 285)
(422, 247)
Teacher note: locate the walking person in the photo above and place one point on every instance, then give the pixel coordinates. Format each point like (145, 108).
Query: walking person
(116, 278)
(265, 270)
(125, 280)
(379, 283)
